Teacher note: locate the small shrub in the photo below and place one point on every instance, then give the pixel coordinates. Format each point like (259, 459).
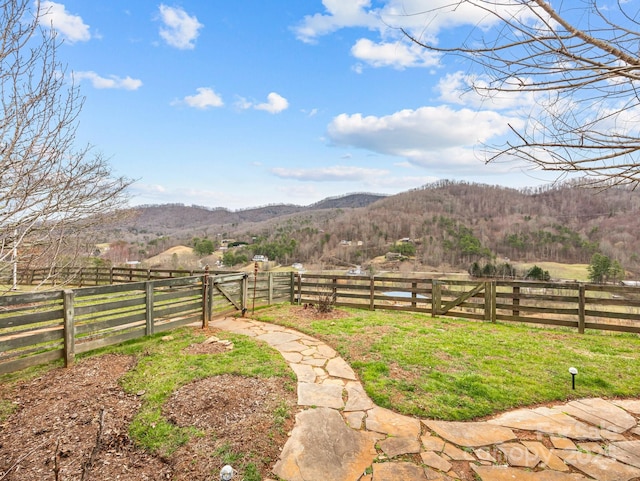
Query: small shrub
(326, 300)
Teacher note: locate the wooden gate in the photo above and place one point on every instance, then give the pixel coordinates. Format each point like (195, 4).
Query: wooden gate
(224, 294)
(449, 295)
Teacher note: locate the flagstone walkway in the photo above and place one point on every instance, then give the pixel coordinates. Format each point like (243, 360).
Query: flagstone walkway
(341, 435)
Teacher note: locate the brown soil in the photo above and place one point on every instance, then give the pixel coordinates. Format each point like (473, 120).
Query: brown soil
(72, 424)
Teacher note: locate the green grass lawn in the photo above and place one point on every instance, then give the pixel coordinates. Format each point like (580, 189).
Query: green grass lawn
(460, 370)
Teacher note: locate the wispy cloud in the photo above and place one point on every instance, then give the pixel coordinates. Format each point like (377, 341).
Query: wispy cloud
(336, 173)
(179, 29)
(110, 82)
(71, 27)
(379, 179)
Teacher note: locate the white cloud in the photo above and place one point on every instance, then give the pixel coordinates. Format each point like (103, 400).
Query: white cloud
(205, 98)
(398, 54)
(275, 104)
(428, 136)
(180, 29)
(111, 82)
(71, 27)
(339, 14)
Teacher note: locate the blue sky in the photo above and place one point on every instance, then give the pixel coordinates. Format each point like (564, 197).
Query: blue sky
(241, 103)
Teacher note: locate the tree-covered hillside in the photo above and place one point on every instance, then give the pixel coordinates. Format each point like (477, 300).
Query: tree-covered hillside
(446, 223)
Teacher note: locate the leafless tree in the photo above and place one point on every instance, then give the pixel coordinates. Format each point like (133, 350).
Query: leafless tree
(578, 64)
(49, 189)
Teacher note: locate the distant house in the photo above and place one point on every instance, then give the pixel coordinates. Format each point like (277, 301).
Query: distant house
(260, 258)
(355, 271)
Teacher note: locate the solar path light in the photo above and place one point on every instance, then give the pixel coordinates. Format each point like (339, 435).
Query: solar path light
(573, 371)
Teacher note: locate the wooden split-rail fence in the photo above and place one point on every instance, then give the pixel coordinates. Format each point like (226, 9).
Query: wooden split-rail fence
(39, 327)
(43, 326)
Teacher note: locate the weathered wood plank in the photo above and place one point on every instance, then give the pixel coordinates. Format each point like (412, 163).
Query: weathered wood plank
(110, 324)
(32, 338)
(34, 360)
(33, 318)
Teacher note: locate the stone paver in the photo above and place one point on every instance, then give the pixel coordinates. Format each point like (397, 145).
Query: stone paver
(384, 421)
(471, 434)
(304, 372)
(518, 455)
(341, 435)
(337, 367)
(397, 472)
(357, 399)
(435, 461)
(599, 467)
(601, 413)
(547, 457)
(556, 424)
(339, 452)
(505, 473)
(322, 395)
(393, 447)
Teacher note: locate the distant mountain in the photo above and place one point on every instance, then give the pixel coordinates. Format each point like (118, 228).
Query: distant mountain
(350, 201)
(448, 224)
(181, 220)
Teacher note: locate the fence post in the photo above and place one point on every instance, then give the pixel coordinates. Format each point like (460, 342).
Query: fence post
(334, 289)
(299, 289)
(111, 275)
(205, 299)
(292, 287)
(582, 300)
(515, 310)
(414, 295)
(148, 290)
(487, 300)
(372, 293)
(494, 300)
(436, 293)
(69, 328)
(270, 287)
(245, 292)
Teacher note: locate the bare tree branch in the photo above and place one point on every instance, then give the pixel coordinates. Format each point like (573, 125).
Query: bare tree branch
(581, 64)
(50, 190)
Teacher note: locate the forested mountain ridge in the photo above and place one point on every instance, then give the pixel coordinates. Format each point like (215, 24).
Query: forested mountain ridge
(447, 223)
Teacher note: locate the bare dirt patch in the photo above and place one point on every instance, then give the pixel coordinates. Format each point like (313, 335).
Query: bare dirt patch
(307, 313)
(72, 425)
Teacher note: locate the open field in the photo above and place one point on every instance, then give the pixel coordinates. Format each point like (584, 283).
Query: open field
(459, 369)
(571, 272)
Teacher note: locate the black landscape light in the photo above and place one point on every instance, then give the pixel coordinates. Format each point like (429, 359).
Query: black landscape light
(573, 371)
